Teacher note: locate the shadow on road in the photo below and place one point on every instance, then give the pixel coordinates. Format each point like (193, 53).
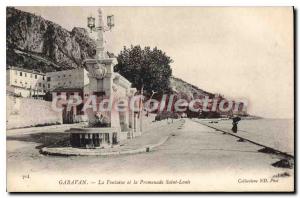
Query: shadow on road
(44, 139)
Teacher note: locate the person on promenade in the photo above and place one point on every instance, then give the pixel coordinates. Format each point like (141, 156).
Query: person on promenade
(235, 121)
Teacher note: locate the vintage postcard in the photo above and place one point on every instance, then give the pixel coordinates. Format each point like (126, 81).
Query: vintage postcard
(150, 99)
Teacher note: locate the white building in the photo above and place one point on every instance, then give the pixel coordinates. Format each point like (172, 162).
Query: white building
(24, 82)
(75, 78)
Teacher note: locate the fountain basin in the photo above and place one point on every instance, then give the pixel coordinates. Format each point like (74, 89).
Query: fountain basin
(90, 138)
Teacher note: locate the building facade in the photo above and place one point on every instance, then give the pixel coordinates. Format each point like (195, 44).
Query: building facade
(75, 78)
(25, 83)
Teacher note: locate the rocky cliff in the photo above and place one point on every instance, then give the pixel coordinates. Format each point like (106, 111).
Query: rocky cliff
(35, 43)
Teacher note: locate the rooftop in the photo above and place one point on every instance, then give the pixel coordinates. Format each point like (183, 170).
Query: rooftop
(25, 70)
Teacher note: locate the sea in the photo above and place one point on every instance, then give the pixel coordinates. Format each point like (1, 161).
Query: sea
(274, 133)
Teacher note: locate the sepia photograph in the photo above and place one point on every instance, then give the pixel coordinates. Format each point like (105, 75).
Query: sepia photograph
(150, 99)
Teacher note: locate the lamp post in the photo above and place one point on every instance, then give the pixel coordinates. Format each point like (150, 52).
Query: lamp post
(100, 29)
(153, 92)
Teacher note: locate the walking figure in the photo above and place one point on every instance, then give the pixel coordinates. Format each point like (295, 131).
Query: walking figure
(235, 121)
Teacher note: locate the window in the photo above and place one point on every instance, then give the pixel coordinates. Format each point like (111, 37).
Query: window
(64, 75)
(35, 76)
(58, 76)
(43, 85)
(48, 79)
(25, 74)
(20, 73)
(40, 84)
(48, 86)
(43, 77)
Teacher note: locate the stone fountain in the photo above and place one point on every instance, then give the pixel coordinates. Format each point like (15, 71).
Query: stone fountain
(103, 127)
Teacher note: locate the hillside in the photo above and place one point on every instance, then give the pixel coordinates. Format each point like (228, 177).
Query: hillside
(180, 86)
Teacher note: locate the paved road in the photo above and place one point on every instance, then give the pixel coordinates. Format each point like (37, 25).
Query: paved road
(193, 150)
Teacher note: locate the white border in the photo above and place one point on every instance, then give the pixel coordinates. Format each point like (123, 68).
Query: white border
(150, 3)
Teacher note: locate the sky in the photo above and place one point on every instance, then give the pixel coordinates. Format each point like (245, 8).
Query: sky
(239, 52)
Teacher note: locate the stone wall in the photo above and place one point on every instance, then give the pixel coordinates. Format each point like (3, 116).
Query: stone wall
(26, 112)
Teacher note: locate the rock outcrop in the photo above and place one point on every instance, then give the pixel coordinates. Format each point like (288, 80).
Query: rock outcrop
(35, 43)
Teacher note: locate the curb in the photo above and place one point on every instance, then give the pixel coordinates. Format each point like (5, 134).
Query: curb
(95, 152)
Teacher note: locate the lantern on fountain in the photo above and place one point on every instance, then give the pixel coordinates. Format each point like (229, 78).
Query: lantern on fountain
(91, 23)
(110, 21)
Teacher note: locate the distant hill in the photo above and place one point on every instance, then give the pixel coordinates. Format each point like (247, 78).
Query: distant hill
(180, 86)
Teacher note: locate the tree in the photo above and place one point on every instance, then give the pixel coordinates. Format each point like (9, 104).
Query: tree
(147, 69)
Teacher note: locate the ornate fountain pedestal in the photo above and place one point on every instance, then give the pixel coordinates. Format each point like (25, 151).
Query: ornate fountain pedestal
(90, 138)
(104, 129)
